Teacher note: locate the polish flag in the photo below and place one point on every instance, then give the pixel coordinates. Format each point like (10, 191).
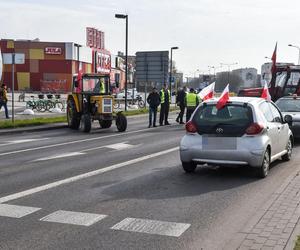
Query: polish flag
(224, 98)
(274, 56)
(265, 93)
(207, 92)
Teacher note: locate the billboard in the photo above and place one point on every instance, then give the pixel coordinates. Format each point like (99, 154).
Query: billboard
(152, 66)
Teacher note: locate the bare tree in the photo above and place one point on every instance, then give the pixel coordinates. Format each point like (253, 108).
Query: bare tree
(224, 78)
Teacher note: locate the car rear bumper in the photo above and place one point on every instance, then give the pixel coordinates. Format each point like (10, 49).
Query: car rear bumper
(248, 151)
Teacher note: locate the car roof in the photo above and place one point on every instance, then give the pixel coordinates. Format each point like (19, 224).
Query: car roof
(238, 99)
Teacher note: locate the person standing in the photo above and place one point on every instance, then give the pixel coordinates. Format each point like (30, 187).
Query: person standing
(180, 99)
(165, 97)
(191, 103)
(153, 100)
(3, 99)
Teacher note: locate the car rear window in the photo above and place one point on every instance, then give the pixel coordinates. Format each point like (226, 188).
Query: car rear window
(232, 120)
(289, 105)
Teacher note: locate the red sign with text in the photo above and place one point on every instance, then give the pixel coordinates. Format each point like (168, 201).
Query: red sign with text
(53, 51)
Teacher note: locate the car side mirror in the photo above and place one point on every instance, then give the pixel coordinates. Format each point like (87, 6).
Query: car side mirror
(76, 84)
(288, 119)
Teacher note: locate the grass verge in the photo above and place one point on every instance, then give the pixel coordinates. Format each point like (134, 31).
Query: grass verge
(59, 119)
(297, 245)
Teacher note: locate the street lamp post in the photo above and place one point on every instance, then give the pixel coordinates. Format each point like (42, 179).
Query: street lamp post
(121, 16)
(297, 47)
(171, 68)
(228, 65)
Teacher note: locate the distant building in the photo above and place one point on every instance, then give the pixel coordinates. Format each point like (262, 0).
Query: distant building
(248, 76)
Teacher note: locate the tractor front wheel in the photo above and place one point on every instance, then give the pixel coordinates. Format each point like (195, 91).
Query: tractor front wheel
(86, 123)
(72, 115)
(121, 122)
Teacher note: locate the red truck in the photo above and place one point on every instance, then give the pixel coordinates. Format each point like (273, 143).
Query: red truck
(285, 81)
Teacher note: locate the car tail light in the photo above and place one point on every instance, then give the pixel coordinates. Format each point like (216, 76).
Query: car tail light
(190, 127)
(254, 129)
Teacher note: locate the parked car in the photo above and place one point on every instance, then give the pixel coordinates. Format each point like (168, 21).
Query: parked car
(247, 131)
(290, 105)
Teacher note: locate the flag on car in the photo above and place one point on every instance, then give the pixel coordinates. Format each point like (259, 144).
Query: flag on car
(265, 93)
(273, 58)
(224, 98)
(207, 92)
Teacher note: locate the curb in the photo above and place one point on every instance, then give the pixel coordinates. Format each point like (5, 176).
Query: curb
(33, 128)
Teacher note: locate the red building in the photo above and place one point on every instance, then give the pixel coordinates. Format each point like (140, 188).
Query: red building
(50, 66)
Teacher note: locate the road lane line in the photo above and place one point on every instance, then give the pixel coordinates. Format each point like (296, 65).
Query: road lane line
(14, 211)
(77, 141)
(83, 176)
(152, 227)
(74, 218)
(59, 156)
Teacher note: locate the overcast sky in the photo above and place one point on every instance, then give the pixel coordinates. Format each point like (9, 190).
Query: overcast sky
(207, 32)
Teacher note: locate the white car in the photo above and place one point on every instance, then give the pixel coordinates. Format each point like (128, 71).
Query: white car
(248, 131)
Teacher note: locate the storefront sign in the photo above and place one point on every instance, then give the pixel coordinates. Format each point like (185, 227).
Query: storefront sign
(103, 63)
(53, 51)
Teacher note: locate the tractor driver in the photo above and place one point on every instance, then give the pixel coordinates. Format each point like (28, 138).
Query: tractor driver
(100, 86)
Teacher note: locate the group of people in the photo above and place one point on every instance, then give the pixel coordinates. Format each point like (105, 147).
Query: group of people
(184, 100)
(3, 99)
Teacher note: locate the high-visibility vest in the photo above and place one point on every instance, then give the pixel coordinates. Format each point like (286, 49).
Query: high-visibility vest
(162, 96)
(191, 100)
(102, 88)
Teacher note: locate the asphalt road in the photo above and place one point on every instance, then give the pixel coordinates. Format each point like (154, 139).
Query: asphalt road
(63, 189)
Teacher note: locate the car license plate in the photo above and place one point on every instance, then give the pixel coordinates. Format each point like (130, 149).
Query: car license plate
(219, 143)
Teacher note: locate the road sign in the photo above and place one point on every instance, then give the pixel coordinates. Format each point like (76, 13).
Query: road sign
(8, 58)
(152, 66)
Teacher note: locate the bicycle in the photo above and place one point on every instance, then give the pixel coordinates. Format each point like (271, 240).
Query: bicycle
(38, 105)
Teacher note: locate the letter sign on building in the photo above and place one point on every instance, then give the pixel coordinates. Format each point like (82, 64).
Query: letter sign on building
(53, 51)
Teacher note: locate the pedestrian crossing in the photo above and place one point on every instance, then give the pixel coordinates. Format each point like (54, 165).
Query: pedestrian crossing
(134, 225)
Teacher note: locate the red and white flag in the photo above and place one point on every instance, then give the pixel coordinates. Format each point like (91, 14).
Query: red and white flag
(207, 92)
(224, 98)
(274, 57)
(265, 93)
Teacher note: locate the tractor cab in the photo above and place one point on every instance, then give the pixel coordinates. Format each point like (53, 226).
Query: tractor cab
(92, 84)
(91, 100)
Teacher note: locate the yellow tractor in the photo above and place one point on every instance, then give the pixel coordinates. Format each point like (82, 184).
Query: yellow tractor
(91, 100)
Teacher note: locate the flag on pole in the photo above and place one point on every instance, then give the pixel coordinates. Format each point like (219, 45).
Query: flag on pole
(207, 92)
(223, 98)
(265, 93)
(274, 56)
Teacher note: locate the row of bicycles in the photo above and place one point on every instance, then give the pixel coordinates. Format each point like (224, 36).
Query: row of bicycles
(41, 104)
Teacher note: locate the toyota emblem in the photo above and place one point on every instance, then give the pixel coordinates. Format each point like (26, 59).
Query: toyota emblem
(219, 130)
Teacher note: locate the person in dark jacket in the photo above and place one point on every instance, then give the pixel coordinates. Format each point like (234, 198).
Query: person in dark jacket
(153, 100)
(180, 100)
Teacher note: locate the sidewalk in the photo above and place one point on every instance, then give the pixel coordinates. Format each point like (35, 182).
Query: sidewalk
(275, 226)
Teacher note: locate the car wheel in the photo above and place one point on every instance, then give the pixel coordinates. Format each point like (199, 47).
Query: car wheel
(189, 167)
(264, 169)
(289, 148)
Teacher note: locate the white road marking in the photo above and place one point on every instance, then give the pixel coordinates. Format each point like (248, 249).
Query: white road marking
(119, 146)
(75, 142)
(152, 227)
(71, 154)
(21, 141)
(14, 211)
(106, 146)
(74, 218)
(83, 176)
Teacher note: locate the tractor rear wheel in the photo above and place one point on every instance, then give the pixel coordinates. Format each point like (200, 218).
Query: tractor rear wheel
(105, 123)
(121, 122)
(85, 123)
(72, 115)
